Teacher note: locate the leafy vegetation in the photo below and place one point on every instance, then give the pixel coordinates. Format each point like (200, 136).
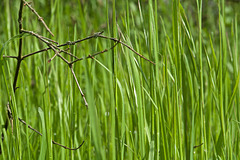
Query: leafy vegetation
(185, 106)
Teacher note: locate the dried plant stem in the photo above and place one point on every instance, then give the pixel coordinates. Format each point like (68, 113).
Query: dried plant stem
(95, 54)
(78, 41)
(198, 145)
(75, 78)
(36, 131)
(52, 46)
(68, 147)
(19, 59)
(6, 56)
(50, 40)
(124, 44)
(39, 17)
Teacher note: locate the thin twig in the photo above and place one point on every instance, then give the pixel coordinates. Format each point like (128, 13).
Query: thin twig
(50, 40)
(31, 54)
(73, 43)
(114, 39)
(36, 131)
(6, 56)
(30, 126)
(70, 54)
(198, 145)
(44, 39)
(64, 51)
(68, 147)
(39, 37)
(39, 17)
(83, 96)
(95, 54)
(95, 35)
(52, 46)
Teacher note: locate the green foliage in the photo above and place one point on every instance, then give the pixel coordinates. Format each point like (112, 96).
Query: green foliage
(186, 106)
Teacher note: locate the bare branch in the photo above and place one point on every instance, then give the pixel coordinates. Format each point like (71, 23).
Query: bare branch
(115, 40)
(31, 54)
(6, 56)
(95, 54)
(68, 147)
(98, 34)
(64, 51)
(20, 46)
(44, 39)
(95, 35)
(36, 131)
(52, 46)
(39, 17)
(30, 126)
(83, 96)
(198, 145)
(50, 40)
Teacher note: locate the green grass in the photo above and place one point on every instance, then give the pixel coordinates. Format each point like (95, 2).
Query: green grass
(186, 106)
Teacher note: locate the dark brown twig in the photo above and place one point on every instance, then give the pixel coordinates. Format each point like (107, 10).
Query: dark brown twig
(20, 47)
(39, 17)
(36, 131)
(68, 147)
(198, 145)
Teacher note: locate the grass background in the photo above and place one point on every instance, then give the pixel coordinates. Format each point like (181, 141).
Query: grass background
(136, 110)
